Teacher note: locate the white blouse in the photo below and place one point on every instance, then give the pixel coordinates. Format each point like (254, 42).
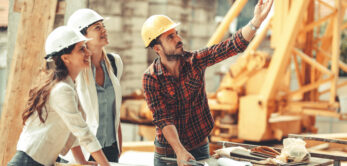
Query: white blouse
(87, 93)
(65, 122)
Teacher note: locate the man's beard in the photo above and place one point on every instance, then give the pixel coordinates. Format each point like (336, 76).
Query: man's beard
(173, 57)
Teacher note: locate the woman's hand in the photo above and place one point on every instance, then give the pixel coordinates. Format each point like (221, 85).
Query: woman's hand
(90, 163)
(100, 158)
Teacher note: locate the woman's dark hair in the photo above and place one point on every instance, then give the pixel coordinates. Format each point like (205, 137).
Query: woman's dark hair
(38, 95)
(67, 50)
(84, 30)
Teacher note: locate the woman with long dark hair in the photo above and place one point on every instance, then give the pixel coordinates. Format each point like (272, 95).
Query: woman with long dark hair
(98, 86)
(53, 121)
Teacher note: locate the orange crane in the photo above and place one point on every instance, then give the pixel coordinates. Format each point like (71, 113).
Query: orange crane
(256, 89)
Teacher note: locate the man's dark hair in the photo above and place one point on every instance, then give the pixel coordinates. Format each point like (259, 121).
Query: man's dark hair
(154, 42)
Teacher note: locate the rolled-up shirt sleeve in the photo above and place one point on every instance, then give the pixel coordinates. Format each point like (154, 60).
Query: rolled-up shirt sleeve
(223, 50)
(76, 143)
(155, 102)
(63, 100)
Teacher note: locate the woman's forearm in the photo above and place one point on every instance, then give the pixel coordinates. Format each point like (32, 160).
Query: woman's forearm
(100, 158)
(120, 139)
(78, 155)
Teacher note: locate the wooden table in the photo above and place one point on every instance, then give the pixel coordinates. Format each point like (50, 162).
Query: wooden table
(314, 160)
(337, 159)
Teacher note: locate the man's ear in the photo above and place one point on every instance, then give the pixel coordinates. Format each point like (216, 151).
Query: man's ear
(65, 59)
(157, 47)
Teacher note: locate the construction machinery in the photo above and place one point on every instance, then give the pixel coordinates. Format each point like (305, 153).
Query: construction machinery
(257, 89)
(255, 101)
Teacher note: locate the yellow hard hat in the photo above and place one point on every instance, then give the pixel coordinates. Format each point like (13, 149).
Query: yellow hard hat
(154, 26)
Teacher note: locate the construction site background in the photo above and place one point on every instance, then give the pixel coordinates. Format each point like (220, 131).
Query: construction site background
(198, 19)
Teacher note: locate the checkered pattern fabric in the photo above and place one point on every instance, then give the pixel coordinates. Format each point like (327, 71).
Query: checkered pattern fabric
(182, 101)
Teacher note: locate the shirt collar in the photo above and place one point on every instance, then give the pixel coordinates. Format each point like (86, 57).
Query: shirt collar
(102, 63)
(161, 70)
(69, 81)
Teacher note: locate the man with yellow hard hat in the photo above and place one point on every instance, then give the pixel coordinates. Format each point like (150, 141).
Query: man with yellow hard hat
(174, 85)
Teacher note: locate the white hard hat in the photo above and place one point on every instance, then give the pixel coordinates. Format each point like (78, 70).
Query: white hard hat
(83, 18)
(62, 37)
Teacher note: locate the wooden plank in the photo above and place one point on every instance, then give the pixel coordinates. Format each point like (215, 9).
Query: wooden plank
(257, 39)
(256, 81)
(308, 40)
(281, 54)
(228, 97)
(36, 22)
(312, 62)
(326, 4)
(344, 4)
(255, 127)
(342, 65)
(249, 146)
(225, 130)
(145, 123)
(17, 6)
(147, 132)
(313, 111)
(316, 138)
(60, 9)
(338, 86)
(309, 87)
(321, 112)
(319, 147)
(336, 50)
(276, 23)
(285, 7)
(319, 22)
(233, 12)
(325, 45)
(344, 26)
(319, 15)
(342, 136)
(279, 125)
(312, 104)
(297, 71)
(217, 139)
(223, 107)
(335, 146)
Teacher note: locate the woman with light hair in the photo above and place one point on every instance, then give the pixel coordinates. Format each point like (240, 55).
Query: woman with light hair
(98, 86)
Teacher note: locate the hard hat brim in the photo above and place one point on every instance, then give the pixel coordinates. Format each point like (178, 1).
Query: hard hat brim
(87, 39)
(107, 19)
(171, 27)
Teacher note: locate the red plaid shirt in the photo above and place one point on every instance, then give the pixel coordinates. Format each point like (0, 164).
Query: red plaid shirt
(182, 101)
